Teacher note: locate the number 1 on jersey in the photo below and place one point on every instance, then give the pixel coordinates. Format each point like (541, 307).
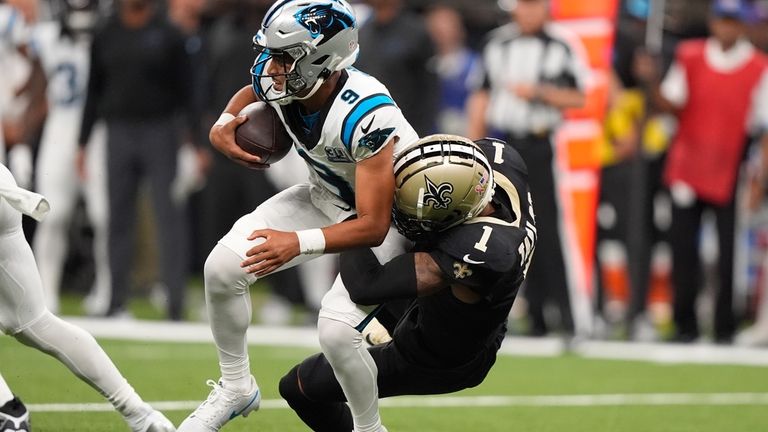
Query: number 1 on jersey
(482, 245)
(497, 155)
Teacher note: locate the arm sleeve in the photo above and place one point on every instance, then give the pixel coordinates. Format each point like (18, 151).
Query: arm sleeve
(93, 94)
(476, 277)
(369, 282)
(185, 82)
(483, 77)
(674, 87)
(565, 66)
(578, 66)
(759, 121)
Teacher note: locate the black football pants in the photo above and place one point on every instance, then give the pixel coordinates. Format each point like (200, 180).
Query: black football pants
(311, 389)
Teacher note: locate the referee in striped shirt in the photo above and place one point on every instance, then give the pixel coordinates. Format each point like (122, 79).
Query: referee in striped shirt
(531, 74)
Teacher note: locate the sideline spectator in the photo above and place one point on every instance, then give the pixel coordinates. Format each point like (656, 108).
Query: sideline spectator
(718, 88)
(138, 84)
(532, 73)
(456, 65)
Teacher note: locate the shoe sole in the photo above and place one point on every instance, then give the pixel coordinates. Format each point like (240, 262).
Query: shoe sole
(251, 407)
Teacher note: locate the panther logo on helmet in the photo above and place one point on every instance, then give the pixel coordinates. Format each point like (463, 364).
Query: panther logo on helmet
(311, 38)
(324, 19)
(438, 195)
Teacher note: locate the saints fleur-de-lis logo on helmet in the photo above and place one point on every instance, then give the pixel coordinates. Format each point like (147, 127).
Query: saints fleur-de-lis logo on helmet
(437, 196)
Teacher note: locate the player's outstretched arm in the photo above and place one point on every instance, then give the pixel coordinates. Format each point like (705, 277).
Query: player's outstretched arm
(405, 276)
(222, 134)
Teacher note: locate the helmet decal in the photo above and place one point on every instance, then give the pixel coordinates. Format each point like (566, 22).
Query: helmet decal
(324, 19)
(438, 196)
(374, 140)
(441, 181)
(482, 185)
(312, 38)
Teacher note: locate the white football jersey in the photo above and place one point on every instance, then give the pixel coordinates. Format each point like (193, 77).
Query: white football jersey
(359, 118)
(65, 61)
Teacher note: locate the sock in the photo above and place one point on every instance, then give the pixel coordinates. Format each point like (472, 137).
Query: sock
(355, 370)
(78, 350)
(5, 392)
(236, 376)
(229, 311)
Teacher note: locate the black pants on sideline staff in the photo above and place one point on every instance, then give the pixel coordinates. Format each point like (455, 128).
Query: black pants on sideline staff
(144, 153)
(546, 279)
(686, 269)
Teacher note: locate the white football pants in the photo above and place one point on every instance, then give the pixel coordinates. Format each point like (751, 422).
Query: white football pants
(226, 286)
(58, 181)
(24, 316)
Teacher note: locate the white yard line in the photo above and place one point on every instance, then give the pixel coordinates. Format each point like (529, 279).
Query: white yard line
(648, 399)
(305, 337)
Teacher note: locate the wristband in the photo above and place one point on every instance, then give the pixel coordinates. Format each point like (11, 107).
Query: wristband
(311, 241)
(224, 119)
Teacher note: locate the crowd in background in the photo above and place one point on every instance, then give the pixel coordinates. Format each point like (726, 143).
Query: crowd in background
(106, 108)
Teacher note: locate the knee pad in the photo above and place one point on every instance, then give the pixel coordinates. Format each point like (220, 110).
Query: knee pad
(289, 388)
(311, 381)
(223, 274)
(337, 339)
(36, 334)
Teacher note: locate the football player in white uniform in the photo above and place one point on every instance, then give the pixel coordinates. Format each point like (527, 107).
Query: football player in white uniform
(64, 49)
(347, 128)
(24, 316)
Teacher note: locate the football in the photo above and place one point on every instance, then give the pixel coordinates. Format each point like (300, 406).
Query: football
(263, 133)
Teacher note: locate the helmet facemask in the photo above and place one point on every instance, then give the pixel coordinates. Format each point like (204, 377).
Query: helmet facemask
(288, 60)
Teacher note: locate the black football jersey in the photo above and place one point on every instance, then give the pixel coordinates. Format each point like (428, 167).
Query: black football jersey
(490, 255)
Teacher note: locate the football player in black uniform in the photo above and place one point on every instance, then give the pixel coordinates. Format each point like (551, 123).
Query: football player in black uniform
(467, 207)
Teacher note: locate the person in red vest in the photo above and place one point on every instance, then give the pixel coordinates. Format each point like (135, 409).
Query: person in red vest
(718, 89)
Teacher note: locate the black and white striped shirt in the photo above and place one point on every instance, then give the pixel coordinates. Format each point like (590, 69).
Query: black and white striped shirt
(511, 58)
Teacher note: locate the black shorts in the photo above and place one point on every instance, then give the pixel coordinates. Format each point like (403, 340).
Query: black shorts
(396, 377)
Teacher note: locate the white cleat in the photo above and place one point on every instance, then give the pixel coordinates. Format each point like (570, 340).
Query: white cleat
(153, 421)
(221, 406)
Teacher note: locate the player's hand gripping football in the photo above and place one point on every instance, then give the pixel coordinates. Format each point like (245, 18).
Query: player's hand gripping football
(223, 139)
(279, 248)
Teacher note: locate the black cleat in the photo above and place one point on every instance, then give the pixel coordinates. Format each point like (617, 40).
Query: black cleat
(14, 417)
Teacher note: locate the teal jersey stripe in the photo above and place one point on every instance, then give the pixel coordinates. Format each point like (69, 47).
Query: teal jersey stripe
(363, 108)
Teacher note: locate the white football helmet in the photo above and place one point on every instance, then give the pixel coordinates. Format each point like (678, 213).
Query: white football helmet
(314, 37)
(440, 182)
